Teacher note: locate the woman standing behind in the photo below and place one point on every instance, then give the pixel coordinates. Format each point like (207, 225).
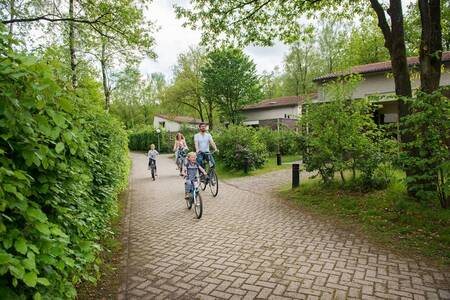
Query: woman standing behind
(179, 145)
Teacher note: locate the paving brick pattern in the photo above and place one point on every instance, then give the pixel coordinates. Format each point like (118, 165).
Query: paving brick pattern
(250, 245)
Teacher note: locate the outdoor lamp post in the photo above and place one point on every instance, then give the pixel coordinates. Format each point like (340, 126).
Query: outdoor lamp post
(158, 131)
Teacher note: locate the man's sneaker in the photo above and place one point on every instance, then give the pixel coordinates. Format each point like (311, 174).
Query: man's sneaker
(186, 196)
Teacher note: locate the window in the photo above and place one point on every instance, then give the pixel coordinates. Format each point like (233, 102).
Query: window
(162, 124)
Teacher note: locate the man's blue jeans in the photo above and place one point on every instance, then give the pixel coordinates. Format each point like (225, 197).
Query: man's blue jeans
(202, 156)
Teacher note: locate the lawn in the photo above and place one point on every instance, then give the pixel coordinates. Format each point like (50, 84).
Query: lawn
(269, 166)
(388, 217)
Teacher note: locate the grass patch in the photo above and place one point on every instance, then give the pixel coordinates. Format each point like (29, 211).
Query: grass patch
(387, 216)
(269, 166)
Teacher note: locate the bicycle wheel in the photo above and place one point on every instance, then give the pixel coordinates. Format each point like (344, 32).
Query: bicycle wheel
(189, 203)
(198, 205)
(203, 183)
(153, 172)
(213, 183)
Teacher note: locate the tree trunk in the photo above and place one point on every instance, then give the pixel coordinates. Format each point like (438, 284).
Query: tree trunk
(12, 13)
(342, 176)
(106, 88)
(73, 57)
(430, 45)
(210, 115)
(394, 37)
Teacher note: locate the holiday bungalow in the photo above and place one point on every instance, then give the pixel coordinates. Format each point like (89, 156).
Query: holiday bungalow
(378, 84)
(272, 113)
(174, 123)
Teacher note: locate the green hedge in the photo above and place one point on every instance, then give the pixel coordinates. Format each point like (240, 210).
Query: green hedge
(140, 139)
(63, 162)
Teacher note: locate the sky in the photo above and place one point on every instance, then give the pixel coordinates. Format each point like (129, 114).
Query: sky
(172, 39)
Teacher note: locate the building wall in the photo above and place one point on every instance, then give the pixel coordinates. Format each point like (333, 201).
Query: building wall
(170, 126)
(381, 84)
(271, 113)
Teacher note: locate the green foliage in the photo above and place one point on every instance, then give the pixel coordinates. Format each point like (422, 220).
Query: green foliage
(141, 138)
(135, 100)
(230, 80)
(239, 144)
(255, 22)
(341, 135)
(62, 163)
(430, 125)
(287, 141)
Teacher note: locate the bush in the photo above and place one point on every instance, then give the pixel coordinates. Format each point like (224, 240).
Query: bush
(63, 162)
(428, 152)
(286, 139)
(238, 144)
(140, 139)
(342, 136)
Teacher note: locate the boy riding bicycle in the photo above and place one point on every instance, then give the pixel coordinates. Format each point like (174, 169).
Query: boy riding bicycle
(152, 154)
(190, 172)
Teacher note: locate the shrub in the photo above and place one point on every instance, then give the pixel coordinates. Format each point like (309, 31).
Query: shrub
(139, 139)
(286, 139)
(62, 163)
(238, 144)
(341, 135)
(429, 124)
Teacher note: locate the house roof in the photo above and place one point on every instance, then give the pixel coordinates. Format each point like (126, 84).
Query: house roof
(375, 67)
(278, 102)
(181, 119)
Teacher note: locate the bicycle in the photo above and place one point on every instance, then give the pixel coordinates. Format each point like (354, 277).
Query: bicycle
(181, 159)
(152, 167)
(211, 179)
(195, 199)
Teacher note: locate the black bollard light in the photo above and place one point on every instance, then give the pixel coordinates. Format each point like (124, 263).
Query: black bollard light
(246, 165)
(295, 175)
(278, 159)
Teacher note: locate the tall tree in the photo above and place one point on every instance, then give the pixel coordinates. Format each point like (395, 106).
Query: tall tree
(118, 47)
(331, 40)
(301, 64)
(188, 86)
(263, 21)
(230, 80)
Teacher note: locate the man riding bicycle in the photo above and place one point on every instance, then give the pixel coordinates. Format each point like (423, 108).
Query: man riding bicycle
(202, 140)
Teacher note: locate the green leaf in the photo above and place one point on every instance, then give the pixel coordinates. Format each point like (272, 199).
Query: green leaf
(43, 281)
(36, 214)
(5, 258)
(43, 228)
(59, 147)
(59, 120)
(17, 271)
(37, 296)
(21, 245)
(9, 188)
(30, 279)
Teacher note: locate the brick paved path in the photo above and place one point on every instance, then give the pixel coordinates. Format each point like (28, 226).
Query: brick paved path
(250, 245)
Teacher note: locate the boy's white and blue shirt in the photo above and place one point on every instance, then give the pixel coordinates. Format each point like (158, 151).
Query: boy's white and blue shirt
(152, 154)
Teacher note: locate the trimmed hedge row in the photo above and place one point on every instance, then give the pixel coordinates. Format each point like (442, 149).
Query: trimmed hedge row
(140, 139)
(63, 162)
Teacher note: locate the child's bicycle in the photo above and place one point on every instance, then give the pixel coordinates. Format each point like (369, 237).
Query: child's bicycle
(152, 167)
(195, 199)
(181, 158)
